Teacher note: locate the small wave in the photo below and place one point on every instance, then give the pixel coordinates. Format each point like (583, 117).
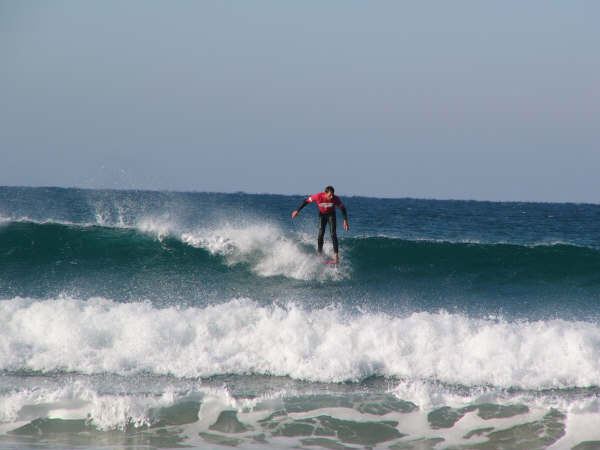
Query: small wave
(79, 409)
(268, 250)
(265, 249)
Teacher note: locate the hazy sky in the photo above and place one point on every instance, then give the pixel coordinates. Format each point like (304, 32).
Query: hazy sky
(445, 99)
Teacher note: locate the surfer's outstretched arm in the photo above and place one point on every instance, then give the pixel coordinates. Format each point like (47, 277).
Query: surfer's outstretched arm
(345, 214)
(302, 205)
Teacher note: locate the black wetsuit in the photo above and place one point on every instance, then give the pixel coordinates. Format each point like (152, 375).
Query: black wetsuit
(325, 217)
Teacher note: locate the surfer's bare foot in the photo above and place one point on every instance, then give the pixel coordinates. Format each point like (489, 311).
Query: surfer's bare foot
(336, 258)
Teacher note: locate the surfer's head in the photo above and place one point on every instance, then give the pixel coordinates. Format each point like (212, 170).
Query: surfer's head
(329, 192)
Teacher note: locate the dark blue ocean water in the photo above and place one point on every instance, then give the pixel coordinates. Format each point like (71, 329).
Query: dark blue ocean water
(128, 310)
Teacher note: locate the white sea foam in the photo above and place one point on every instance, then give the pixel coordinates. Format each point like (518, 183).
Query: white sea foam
(106, 411)
(76, 401)
(242, 337)
(266, 248)
(118, 404)
(134, 403)
(81, 400)
(160, 227)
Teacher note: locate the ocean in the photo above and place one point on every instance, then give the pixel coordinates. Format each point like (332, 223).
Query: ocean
(146, 319)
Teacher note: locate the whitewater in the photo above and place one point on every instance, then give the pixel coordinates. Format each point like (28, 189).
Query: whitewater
(162, 319)
(325, 345)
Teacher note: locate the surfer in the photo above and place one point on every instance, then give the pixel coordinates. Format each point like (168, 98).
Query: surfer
(326, 201)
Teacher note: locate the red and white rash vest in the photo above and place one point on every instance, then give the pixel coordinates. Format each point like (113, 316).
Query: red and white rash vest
(325, 206)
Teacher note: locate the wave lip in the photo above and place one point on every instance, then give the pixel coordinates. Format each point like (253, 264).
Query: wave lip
(325, 345)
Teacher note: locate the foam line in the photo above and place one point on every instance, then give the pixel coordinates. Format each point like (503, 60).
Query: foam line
(329, 345)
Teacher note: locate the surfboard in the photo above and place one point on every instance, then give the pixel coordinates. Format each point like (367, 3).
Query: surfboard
(329, 261)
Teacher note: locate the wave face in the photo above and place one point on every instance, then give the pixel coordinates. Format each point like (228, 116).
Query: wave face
(266, 251)
(208, 319)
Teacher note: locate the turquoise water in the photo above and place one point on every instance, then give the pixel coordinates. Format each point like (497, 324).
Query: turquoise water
(164, 318)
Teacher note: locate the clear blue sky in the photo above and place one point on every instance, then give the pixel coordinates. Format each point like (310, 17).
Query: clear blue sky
(445, 99)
